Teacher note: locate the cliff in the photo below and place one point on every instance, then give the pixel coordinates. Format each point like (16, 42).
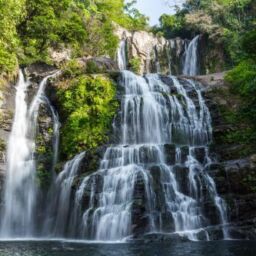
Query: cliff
(154, 54)
(236, 170)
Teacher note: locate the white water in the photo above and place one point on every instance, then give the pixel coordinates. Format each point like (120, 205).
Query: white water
(156, 60)
(56, 132)
(20, 186)
(152, 117)
(63, 189)
(156, 172)
(121, 55)
(191, 58)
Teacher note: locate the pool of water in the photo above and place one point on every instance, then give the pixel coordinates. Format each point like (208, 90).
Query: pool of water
(71, 248)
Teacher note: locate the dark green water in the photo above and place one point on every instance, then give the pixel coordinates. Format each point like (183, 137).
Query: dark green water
(46, 248)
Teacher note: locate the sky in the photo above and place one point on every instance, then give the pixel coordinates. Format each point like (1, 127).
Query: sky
(155, 8)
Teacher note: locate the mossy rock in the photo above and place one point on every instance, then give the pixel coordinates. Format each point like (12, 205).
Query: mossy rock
(87, 106)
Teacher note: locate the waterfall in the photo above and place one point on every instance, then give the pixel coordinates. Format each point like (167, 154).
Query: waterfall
(20, 186)
(190, 66)
(156, 60)
(158, 170)
(56, 131)
(121, 55)
(154, 178)
(61, 200)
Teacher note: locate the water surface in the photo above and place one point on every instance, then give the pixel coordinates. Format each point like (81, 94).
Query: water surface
(66, 248)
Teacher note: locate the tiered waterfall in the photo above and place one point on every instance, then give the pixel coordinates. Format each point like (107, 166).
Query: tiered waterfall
(153, 178)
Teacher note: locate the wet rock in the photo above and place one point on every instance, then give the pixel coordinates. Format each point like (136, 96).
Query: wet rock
(253, 161)
(158, 237)
(181, 173)
(244, 229)
(37, 71)
(200, 154)
(215, 232)
(91, 161)
(170, 153)
(7, 105)
(93, 185)
(145, 47)
(210, 210)
(98, 64)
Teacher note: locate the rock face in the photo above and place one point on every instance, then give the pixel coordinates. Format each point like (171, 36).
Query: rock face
(59, 56)
(235, 175)
(7, 103)
(98, 64)
(212, 56)
(155, 54)
(160, 55)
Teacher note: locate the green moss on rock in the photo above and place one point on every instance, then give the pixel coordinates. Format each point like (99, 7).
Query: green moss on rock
(135, 64)
(2, 145)
(88, 106)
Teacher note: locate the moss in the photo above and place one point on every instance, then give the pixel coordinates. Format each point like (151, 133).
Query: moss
(1, 118)
(40, 145)
(43, 176)
(2, 145)
(44, 152)
(240, 131)
(88, 106)
(93, 68)
(50, 131)
(72, 69)
(134, 64)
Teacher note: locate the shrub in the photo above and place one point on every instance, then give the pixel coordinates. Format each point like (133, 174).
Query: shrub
(135, 65)
(88, 106)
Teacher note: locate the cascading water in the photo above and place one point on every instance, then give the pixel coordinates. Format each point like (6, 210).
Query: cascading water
(153, 179)
(121, 55)
(56, 132)
(190, 66)
(158, 171)
(61, 200)
(156, 60)
(20, 186)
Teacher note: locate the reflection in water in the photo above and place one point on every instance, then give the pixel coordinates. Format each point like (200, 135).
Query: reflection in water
(61, 248)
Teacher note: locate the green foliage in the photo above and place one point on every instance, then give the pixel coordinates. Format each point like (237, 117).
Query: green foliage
(11, 13)
(132, 18)
(224, 21)
(89, 106)
(43, 176)
(101, 40)
(49, 23)
(72, 69)
(243, 81)
(248, 44)
(134, 64)
(30, 29)
(93, 68)
(173, 25)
